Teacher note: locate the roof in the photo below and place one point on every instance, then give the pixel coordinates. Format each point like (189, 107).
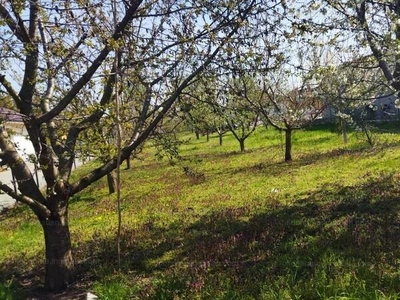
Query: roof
(10, 115)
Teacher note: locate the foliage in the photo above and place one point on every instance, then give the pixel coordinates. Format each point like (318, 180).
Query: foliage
(241, 118)
(350, 90)
(198, 106)
(365, 28)
(166, 144)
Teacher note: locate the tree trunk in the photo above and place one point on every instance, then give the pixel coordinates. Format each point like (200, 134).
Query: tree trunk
(128, 163)
(241, 142)
(288, 144)
(220, 138)
(367, 134)
(208, 136)
(111, 182)
(197, 134)
(60, 269)
(344, 131)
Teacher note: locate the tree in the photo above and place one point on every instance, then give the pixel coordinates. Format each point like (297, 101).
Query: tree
(375, 31)
(67, 50)
(350, 89)
(287, 99)
(289, 107)
(198, 113)
(369, 28)
(201, 109)
(241, 118)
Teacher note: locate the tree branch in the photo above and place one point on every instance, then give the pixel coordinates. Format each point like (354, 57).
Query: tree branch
(93, 68)
(31, 63)
(71, 52)
(18, 29)
(45, 101)
(67, 159)
(37, 207)
(361, 10)
(7, 85)
(126, 151)
(20, 170)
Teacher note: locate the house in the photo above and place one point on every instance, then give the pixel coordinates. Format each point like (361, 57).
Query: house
(384, 108)
(13, 122)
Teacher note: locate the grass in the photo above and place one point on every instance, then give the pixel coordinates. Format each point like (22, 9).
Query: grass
(9, 290)
(241, 226)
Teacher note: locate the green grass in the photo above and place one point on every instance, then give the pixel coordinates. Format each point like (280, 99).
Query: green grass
(9, 290)
(245, 226)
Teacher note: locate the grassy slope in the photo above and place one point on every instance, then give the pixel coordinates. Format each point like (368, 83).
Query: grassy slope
(325, 226)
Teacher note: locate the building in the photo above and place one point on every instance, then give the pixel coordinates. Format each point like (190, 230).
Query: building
(13, 122)
(384, 108)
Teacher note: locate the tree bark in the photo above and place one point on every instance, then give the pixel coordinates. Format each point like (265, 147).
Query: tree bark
(111, 182)
(128, 163)
(344, 131)
(60, 268)
(241, 142)
(367, 134)
(220, 138)
(288, 144)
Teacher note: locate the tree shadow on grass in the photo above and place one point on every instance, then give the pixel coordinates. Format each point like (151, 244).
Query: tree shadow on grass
(277, 168)
(282, 167)
(306, 248)
(352, 231)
